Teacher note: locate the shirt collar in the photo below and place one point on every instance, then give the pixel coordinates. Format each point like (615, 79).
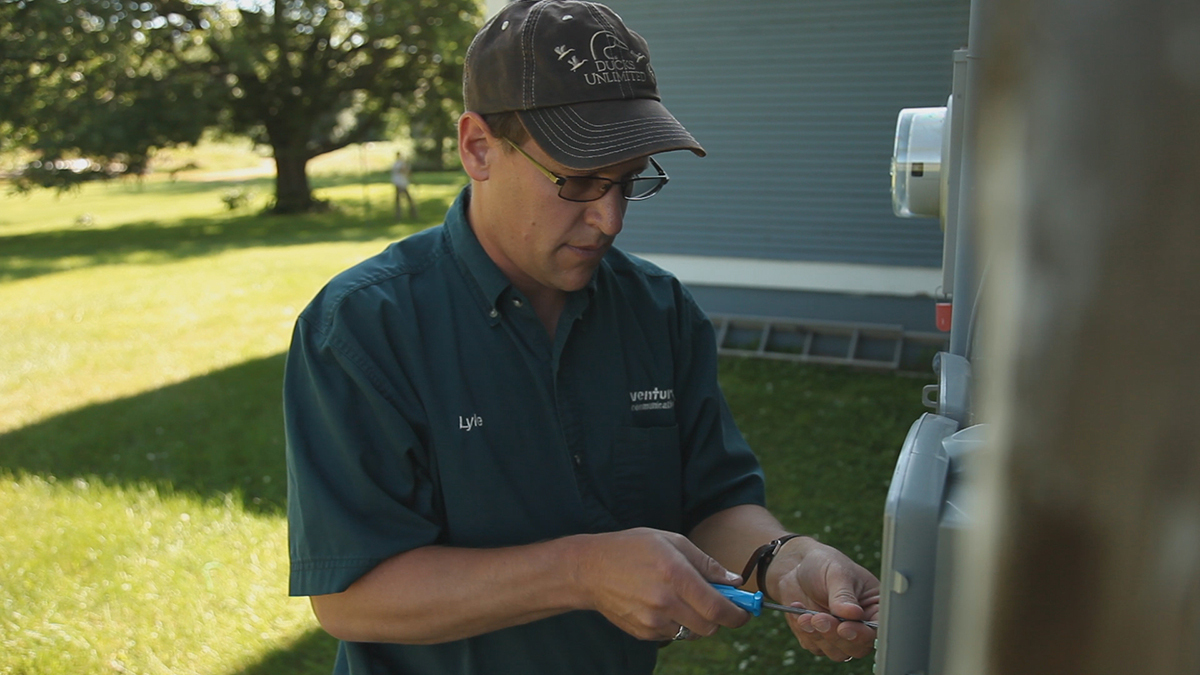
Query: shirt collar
(477, 265)
(469, 253)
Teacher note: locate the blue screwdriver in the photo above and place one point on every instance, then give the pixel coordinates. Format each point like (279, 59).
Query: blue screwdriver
(753, 603)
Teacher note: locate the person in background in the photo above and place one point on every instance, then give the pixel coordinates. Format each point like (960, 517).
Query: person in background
(401, 177)
(507, 448)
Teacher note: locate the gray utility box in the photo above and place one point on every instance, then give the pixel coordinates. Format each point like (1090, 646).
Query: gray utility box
(923, 522)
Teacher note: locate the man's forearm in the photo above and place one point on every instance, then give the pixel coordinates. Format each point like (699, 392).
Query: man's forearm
(437, 594)
(732, 535)
(646, 582)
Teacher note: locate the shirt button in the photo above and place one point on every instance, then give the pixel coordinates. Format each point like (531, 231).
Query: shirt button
(578, 460)
(517, 302)
(494, 313)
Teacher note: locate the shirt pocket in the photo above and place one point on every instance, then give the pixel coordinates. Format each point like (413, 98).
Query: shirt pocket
(647, 475)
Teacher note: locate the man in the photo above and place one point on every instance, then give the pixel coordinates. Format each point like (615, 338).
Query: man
(507, 448)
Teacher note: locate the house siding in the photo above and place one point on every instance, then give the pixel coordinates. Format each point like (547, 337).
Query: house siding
(796, 104)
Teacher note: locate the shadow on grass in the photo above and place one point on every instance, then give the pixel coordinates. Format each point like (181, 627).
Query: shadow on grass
(312, 654)
(30, 255)
(210, 436)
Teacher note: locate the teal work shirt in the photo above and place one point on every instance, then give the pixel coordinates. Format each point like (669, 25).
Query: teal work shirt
(425, 403)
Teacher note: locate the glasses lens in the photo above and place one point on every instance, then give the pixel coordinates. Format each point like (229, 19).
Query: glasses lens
(591, 188)
(584, 188)
(643, 188)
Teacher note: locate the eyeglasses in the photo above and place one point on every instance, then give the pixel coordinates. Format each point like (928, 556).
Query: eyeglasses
(591, 188)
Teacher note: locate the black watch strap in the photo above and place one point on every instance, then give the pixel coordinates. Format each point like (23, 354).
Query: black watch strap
(761, 559)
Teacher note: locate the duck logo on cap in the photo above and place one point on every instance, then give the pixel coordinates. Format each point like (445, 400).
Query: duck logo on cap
(613, 61)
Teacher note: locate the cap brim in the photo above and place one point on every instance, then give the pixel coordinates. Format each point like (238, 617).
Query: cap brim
(593, 135)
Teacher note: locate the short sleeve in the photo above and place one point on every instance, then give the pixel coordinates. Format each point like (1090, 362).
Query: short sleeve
(359, 487)
(720, 470)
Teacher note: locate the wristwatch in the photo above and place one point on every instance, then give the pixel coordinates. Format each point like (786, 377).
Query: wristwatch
(761, 559)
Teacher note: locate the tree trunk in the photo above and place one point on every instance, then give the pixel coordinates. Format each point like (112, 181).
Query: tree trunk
(292, 191)
(437, 154)
(1086, 558)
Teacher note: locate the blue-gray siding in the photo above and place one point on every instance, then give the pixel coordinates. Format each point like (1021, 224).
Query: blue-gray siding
(796, 103)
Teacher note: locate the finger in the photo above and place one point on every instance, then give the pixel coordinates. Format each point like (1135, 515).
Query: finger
(682, 633)
(821, 623)
(835, 654)
(720, 609)
(709, 568)
(686, 604)
(696, 621)
(662, 625)
(816, 644)
(843, 602)
(832, 651)
(808, 636)
(710, 609)
(854, 639)
(852, 631)
(843, 638)
(660, 632)
(824, 635)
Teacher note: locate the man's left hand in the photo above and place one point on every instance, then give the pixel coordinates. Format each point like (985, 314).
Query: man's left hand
(812, 575)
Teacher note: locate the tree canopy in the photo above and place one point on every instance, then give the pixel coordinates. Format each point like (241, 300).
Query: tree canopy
(90, 78)
(112, 80)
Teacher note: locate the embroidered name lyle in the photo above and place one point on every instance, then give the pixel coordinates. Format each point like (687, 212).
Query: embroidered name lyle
(652, 399)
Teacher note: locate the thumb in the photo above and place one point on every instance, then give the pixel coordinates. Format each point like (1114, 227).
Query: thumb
(843, 602)
(710, 569)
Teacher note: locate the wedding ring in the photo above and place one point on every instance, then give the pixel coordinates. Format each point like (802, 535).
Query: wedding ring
(683, 633)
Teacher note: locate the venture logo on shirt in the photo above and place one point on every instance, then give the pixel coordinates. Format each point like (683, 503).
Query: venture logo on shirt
(652, 399)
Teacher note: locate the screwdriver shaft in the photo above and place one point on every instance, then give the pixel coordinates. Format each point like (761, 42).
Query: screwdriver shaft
(799, 610)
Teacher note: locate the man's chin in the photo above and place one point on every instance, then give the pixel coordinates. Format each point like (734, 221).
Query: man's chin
(577, 280)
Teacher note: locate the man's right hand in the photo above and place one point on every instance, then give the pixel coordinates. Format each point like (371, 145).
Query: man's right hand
(650, 582)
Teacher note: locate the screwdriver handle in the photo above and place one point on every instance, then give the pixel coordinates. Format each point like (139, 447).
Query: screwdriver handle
(751, 602)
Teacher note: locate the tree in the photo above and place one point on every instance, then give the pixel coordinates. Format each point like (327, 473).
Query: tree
(301, 76)
(308, 78)
(91, 78)
(433, 111)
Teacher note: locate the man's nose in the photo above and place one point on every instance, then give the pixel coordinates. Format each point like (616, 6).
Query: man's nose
(607, 214)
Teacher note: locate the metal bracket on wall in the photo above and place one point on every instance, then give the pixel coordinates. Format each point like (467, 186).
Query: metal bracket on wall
(878, 346)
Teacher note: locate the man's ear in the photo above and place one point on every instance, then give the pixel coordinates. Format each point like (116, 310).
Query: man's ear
(475, 145)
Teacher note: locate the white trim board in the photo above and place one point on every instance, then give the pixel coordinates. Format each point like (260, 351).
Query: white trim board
(491, 7)
(800, 276)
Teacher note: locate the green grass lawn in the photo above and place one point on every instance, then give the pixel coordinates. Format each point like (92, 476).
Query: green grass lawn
(142, 485)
